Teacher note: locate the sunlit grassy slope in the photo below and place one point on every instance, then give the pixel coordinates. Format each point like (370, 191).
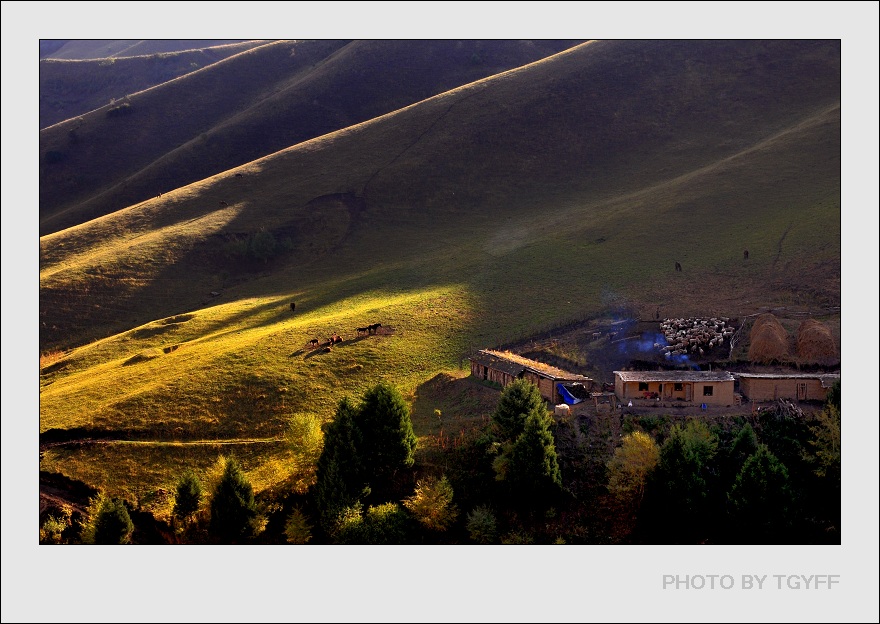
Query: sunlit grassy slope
(547, 194)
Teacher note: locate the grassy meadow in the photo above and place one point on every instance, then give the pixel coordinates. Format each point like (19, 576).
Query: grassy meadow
(475, 218)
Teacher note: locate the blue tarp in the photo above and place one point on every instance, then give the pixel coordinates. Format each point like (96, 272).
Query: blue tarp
(567, 396)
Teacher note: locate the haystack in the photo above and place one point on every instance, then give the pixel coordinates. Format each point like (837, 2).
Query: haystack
(815, 344)
(768, 341)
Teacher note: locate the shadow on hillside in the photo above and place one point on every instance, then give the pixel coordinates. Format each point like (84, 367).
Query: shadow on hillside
(464, 403)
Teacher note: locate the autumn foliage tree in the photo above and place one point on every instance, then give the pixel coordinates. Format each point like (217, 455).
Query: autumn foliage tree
(432, 505)
(630, 466)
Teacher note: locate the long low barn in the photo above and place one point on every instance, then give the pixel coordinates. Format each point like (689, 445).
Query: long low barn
(504, 367)
(799, 386)
(710, 387)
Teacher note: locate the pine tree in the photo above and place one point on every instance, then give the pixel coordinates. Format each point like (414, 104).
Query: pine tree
(518, 400)
(677, 499)
(113, 525)
(188, 496)
(387, 442)
(233, 509)
(761, 499)
(533, 469)
(339, 481)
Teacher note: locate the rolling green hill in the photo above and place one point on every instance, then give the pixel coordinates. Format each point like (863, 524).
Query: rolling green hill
(243, 108)
(534, 197)
(79, 49)
(69, 88)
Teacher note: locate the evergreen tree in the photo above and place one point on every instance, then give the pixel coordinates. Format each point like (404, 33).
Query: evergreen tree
(339, 481)
(732, 458)
(387, 441)
(233, 509)
(188, 496)
(761, 499)
(744, 445)
(518, 400)
(297, 529)
(677, 501)
(113, 525)
(533, 470)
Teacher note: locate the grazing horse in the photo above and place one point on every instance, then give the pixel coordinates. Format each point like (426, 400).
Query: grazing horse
(313, 343)
(362, 330)
(677, 266)
(746, 254)
(372, 328)
(292, 306)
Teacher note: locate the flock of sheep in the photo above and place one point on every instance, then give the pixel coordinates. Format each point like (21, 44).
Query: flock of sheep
(693, 335)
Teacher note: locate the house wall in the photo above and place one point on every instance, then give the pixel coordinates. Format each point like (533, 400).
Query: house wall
(546, 386)
(798, 389)
(490, 374)
(722, 391)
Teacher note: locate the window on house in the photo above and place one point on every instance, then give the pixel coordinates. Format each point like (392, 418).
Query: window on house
(660, 389)
(678, 387)
(707, 390)
(643, 386)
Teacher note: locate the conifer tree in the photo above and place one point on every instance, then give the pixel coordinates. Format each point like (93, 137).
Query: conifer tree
(233, 509)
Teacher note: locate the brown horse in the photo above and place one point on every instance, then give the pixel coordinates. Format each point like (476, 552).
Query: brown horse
(313, 343)
(374, 328)
(362, 330)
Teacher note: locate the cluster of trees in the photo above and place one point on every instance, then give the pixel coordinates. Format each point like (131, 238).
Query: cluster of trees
(774, 478)
(775, 483)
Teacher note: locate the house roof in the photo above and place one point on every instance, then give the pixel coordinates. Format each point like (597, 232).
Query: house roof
(827, 379)
(513, 364)
(674, 376)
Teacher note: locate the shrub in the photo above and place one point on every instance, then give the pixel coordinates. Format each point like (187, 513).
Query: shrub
(481, 525)
(52, 531)
(297, 529)
(431, 504)
(120, 111)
